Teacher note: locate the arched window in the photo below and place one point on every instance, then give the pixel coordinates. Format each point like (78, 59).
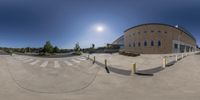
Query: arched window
(159, 43)
(152, 43)
(129, 45)
(133, 44)
(145, 43)
(139, 44)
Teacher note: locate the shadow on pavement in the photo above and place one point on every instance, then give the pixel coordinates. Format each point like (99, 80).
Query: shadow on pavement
(120, 71)
(149, 72)
(115, 70)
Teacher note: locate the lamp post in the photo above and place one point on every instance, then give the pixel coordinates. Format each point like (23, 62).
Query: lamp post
(179, 46)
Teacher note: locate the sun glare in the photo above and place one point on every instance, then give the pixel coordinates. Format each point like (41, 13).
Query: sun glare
(99, 29)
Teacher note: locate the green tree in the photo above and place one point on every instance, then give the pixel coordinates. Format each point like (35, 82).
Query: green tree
(22, 50)
(77, 47)
(56, 49)
(28, 49)
(93, 46)
(48, 48)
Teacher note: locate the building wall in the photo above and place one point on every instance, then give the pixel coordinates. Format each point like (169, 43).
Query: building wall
(119, 41)
(167, 35)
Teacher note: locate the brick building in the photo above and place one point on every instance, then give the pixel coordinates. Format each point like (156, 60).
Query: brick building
(157, 38)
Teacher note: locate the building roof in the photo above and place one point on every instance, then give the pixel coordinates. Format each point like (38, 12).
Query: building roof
(121, 38)
(179, 28)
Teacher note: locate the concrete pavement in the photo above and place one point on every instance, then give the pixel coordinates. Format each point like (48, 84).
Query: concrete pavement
(51, 75)
(146, 64)
(178, 82)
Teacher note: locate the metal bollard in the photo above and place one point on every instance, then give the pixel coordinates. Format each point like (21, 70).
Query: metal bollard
(88, 57)
(176, 57)
(182, 56)
(106, 67)
(164, 62)
(105, 62)
(94, 59)
(134, 69)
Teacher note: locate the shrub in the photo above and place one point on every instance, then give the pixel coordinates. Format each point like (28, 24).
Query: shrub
(56, 49)
(122, 52)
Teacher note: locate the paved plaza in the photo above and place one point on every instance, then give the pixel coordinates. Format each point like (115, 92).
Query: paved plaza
(77, 78)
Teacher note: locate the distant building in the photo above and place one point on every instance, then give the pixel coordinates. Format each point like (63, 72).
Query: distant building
(119, 42)
(157, 38)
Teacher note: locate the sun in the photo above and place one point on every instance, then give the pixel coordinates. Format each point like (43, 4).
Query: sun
(99, 28)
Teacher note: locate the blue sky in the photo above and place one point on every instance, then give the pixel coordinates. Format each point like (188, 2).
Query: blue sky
(25, 23)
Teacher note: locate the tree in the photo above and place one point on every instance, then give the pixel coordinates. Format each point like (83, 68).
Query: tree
(48, 48)
(93, 46)
(22, 50)
(56, 49)
(77, 47)
(28, 49)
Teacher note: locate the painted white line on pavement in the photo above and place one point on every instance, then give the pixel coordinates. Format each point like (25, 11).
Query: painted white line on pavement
(28, 60)
(68, 63)
(76, 61)
(23, 58)
(81, 58)
(56, 64)
(35, 62)
(44, 64)
(20, 57)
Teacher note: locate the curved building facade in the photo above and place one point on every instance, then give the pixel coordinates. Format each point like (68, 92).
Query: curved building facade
(119, 41)
(156, 38)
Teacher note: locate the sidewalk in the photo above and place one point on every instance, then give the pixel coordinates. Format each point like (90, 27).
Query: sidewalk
(144, 62)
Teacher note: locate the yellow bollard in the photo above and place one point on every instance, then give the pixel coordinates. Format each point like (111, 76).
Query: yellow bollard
(106, 67)
(134, 69)
(176, 57)
(105, 62)
(94, 59)
(182, 55)
(164, 62)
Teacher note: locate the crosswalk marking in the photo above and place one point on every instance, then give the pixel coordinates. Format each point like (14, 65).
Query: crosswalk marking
(68, 63)
(20, 58)
(35, 62)
(76, 61)
(44, 64)
(81, 58)
(23, 58)
(28, 60)
(56, 64)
